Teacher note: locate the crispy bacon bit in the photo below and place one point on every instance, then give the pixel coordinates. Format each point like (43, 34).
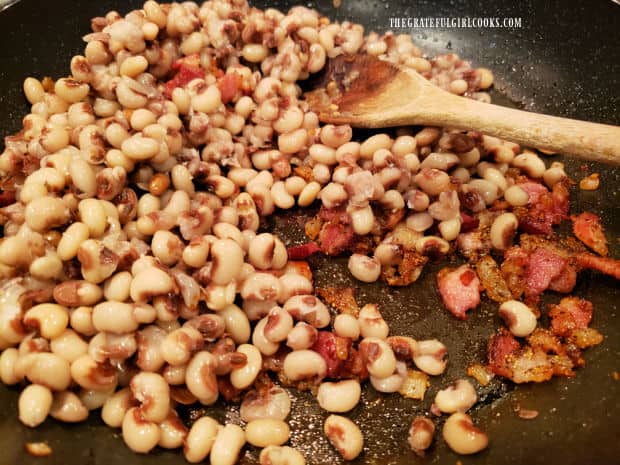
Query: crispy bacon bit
(544, 209)
(468, 223)
(587, 227)
(570, 314)
(229, 86)
(590, 183)
(336, 237)
(338, 355)
(609, 266)
(187, 69)
(408, 270)
(414, 385)
(492, 280)
(340, 298)
(303, 251)
(459, 289)
(542, 268)
(38, 449)
(480, 373)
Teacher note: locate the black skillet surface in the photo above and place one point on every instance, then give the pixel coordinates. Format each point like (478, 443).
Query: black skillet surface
(563, 61)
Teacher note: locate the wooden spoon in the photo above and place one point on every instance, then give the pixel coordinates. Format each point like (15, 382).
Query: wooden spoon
(366, 92)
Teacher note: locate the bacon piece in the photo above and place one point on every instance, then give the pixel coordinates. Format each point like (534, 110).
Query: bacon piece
(500, 346)
(570, 314)
(187, 69)
(334, 350)
(609, 266)
(468, 223)
(229, 86)
(587, 228)
(408, 270)
(335, 237)
(340, 298)
(459, 289)
(544, 209)
(303, 251)
(542, 268)
(492, 280)
(534, 191)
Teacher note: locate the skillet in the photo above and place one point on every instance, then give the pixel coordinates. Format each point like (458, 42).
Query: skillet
(563, 61)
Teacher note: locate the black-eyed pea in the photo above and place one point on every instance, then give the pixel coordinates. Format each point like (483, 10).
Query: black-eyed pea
(432, 181)
(81, 320)
(150, 282)
(427, 136)
(264, 345)
(281, 455)
(173, 431)
(267, 251)
(34, 404)
(218, 297)
(371, 323)
(421, 434)
(92, 213)
(293, 284)
(33, 89)
(140, 435)
(366, 269)
(362, 219)
(378, 357)
(167, 247)
(503, 230)
(69, 345)
(227, 445)
(68, 407)
(304, 364)
(178, 202)
(309, 309)
(114, 317)
(243, 377)
(153, 393)
(47, 267)
(440, 161)
(195, 253)
(174, 375)
(530, 163)
(227, 260)
(261, 286)
(462, 436)
(117, 286)
(50, 320)
(429, 357)
(200, 377)
(70, 90)
(133, 66)
(208, 100)
(279, 324)
(83, 176)
(295, 185)
(333, 194)
(8, 359)
(390, 383)
(450, 229)
(266, 432)
(374, 143)
(344, 435)
(77, 293)
(237, 323)
(346, 325)
(432, 246)
(46, 369)
(91, 375)
(302, 336)
(281, 198)
(116, 406)
(31, 191)
(554, 174)
(200, 439)
(44, 213)
(309, 194)
(140, 148)
(179, 345)
(458, 397)
(519, 318)
(339, 397)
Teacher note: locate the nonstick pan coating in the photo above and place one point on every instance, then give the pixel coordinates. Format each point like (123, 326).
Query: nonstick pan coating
(563, 61)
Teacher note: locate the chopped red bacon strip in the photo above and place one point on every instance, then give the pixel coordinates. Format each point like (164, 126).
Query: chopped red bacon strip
(534, 191)
(459, 289)
(500, 346)
(544, 209)
(182, 78)
(335, 237)
(303, 251)
(468, 223)
(609, 266)
(587, 228)
(542, 268)
(570, 314)
(229, 86)
(341, 359)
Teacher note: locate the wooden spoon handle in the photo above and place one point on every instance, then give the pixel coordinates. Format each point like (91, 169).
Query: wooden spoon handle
(588, 141)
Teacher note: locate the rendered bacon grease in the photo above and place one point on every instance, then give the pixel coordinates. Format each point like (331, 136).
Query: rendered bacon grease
(136, 277)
